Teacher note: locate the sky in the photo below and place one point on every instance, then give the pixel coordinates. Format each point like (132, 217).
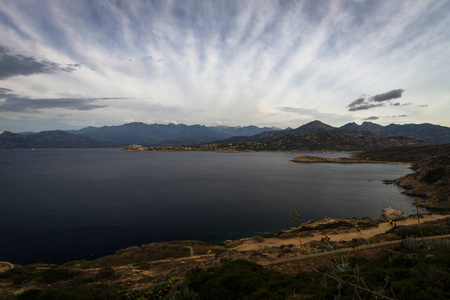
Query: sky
(71, 64)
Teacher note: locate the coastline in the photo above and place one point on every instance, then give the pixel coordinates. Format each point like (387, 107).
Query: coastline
(288, 252)
(342, 160)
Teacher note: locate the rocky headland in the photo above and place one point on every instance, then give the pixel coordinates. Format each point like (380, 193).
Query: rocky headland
(431, 179)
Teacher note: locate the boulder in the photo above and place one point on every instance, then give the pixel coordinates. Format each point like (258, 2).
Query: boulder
(392, 213)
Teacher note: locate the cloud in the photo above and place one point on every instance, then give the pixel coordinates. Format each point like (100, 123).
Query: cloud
(297, 110)
(80, 123)
(423, 105)
(394, 94)
(128, 120)
(372, 118)
(364, 103)
(12, 64)
(356, 102)
(237, 59)
(365, 106)
(379, 117)
(397, 116)
(14, 103)
(4, 91)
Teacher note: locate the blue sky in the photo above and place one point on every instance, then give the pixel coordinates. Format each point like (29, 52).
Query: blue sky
(72, 64)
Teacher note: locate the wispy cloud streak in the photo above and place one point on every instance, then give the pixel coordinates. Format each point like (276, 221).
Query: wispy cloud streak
(236, 61)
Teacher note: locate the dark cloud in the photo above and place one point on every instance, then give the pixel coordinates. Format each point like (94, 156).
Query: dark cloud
(4, 92)
(364, 103)
(378, 117)
(14, 103)
(12, 64)
(365, 106)
(397, 116)
(372, 118)
(394, 94)
(356, 102)
(17, 104)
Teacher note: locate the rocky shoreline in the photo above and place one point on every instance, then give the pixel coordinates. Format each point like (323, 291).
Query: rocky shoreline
(431, 180)
(339, 160)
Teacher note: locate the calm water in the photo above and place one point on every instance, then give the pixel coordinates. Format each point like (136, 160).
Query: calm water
(58, 205)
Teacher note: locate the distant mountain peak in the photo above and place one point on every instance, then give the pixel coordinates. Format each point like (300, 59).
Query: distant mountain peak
(315, 125)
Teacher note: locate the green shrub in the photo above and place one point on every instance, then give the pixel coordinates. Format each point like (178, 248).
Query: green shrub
(159, 291)
(240, 279)
(411, 243)
(53, 275)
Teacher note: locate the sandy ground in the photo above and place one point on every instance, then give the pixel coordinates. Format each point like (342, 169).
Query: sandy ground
(346, 235)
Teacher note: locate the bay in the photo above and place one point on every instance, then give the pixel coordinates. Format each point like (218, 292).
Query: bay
(58, 205)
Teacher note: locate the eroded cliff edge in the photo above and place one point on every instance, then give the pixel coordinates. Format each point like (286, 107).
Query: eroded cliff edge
(431, 179)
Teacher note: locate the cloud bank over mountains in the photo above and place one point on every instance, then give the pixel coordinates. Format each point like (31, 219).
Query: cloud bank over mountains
(268, 63)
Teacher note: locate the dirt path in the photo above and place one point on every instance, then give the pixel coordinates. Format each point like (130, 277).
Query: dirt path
(344, 236)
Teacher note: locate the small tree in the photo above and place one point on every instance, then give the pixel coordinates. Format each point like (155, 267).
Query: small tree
(417, 206)
(295, 220)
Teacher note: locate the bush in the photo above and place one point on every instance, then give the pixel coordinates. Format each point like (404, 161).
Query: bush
(94, 292)
(53, 275)
(240, 279)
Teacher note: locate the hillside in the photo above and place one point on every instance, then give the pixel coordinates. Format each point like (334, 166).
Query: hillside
(171, 134)
(431, 179)
(319, 141)
(48, 139)
(311, 127)
(427, 132)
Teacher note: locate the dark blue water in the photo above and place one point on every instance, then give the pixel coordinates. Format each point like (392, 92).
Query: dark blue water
(58, 205)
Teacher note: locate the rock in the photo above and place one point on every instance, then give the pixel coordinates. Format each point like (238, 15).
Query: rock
(431, 179)
(392, 214)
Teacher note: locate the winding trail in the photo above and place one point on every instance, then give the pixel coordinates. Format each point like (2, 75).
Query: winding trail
(346, 235)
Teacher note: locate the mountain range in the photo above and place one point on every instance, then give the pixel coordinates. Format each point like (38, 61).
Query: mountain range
(163, 135)
(171, 134)
(427, 132)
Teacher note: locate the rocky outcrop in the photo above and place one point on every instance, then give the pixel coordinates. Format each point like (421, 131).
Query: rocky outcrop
(392, 214)
(431, 180)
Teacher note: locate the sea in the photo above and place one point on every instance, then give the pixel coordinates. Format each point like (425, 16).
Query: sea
(59, 205)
